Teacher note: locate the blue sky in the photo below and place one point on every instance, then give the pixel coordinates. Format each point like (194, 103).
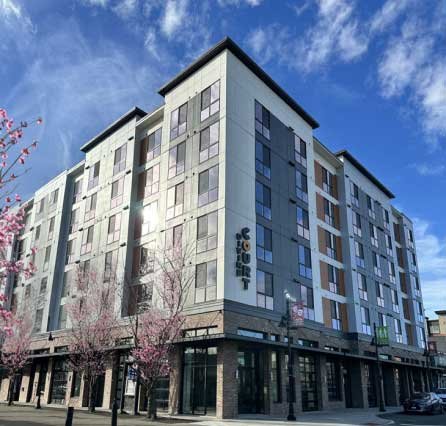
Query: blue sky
(373, 73)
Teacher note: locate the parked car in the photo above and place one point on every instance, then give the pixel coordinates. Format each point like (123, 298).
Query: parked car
(441, 392)
(424, 402)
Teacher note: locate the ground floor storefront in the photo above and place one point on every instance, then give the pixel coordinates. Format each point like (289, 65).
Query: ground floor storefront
(226, 377)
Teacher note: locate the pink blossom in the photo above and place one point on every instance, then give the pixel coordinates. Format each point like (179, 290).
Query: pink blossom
(18, 198)
(21, 160)
(25, 151)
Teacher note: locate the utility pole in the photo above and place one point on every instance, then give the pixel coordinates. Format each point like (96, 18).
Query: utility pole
(380, 373)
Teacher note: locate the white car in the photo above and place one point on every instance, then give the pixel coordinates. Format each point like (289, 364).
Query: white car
(441, 392)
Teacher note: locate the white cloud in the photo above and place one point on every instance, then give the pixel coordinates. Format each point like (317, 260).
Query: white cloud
(384, 17)
(270, 44)
(125, 8)
(174, 16)
(151, 43)
(98, 3)
(252, 3)
(425, 169)
(16, 26)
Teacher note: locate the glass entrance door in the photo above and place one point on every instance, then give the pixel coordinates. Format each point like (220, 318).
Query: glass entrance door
(59, 382)
(199, 380)
(250, 379)
(308, 381)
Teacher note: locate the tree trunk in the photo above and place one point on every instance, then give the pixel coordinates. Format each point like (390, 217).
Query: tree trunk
(11, 390)
(92, 395)
(151, 401)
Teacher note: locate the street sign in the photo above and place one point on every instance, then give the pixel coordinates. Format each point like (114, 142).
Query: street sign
(297, 314)
(382, 335)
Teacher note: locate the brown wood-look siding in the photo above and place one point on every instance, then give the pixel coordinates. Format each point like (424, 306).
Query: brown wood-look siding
(320, 206)
(318, 174)
(344, 316)
(326, 311)
(321, 240)
(335, 187)
(341, 282)
(337, 217)
(339, 249)
(403, 282)
(324, 275)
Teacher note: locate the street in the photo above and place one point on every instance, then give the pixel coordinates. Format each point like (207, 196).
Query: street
(401, 419)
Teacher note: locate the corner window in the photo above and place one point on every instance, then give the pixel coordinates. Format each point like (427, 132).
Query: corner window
(262, 120)
(206, 281)
(54, 196)
(207, 232)
(178, 121)
(209, 138)
(177, 157)
(210, 101)
(265, 293)
(119, 160)
(264, 242)
(208, 186)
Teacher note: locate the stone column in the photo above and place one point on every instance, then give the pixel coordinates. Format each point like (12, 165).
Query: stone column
(227, 382)
(49, 376)
(107, 400)
(358, 383)
(321, 375)
(175, 381)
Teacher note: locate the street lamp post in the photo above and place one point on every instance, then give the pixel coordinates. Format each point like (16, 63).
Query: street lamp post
(380, 373)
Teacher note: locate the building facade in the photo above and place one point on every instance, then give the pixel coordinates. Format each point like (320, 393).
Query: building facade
(230, 162)
(437, 347)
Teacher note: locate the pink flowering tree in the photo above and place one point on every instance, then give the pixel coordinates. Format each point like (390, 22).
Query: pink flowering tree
(13, 157)
(158, 325)
(94, 320)
(15, 350)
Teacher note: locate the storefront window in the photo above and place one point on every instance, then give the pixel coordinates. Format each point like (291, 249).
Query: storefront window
(333, 385)
(59, 382)
(275, 376)
(307, 368)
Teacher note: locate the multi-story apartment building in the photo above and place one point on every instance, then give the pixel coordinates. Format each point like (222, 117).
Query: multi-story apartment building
(231, 156)
(437, 347)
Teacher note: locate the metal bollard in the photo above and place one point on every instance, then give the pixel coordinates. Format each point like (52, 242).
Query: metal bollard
(69, 420)
(114, 418)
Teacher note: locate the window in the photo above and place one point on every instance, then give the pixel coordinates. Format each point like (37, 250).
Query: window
(207, 232)
(304, 254)
(301, 186)
(178, 121)
(54, 196)
(37, 233)
(77, 191)
(206, 281)
(263, 160)
(67, 280)
(413, 261)
(209, 138)
(327, 181)
(354, 194)
(150, 147)
(395, 304)
(329, 213)
(379, 294)
(371, 207)
(333, 279)
(38, 321)
(175, 200)
(114, 228)
(376, 264)
(46, 261)
(148, 183)
(210, 101)
(43, 285)
(275, 377)
(251, 333)
(415, 285)
(119, 160)
(174, 237)
(262, 120)
(90, 206)
(335, 315)
(263, 200)
(149, 218)
(420, 315)
(208, 186)
(300, 151)
(76, 387)
(386, 219)
(62, 322)
(41, 206)
(398, 331)
(144, 259)
(93, 175)
(71, 244)
(362, 285)
(389, 247)
(356, 219)
(264, 241)
(177, 156)
(111, 260)
(117, 191)
(51, 228)
(373, 235)
(330, 245)
(87, 240)
(392, 277)
(305, 295)
(365, 320)
(382, 319)
(410, 238)
(265, 292)
(303, 223)
(421, 336)
(74, 220)
(333, 380)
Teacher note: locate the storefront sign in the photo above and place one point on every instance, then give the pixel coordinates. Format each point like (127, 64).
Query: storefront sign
(382, 335)
(243, 249)
(297, 314)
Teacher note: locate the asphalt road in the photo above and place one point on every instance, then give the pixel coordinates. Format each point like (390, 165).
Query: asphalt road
(402, 419)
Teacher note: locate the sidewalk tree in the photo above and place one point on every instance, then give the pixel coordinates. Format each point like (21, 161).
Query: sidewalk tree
(93, 318)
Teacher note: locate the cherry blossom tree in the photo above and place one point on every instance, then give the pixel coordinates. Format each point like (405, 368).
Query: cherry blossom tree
(16, 349)
(13, 156)
(155, 328)
(93, 317)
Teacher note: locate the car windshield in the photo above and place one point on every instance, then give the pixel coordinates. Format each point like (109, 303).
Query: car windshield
(421, 396)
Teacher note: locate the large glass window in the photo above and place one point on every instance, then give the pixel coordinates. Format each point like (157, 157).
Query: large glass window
(207, 232)
(356, 219)
(301, 186)
(376, 264)
(208, 186)
(373, 235)
(263, 160)
(150, 147)
(328, 184)
(265, 293)
(305, 295)
(359, 254)
(264, 241)
(177, 156)
(263, 200)
(90, 206)
(87, 240)
(333, 279)
(304, 256)
(175, 200)
(333, 380)
(300, 151)
(308, 381)
(119, 160)
(330, 245)
(262, 120)
(111, 261)
(148, 183)
(117, 192)
(365, 320)
(149, 218)
(354, 194)
(303, 223)
(209, 138)
(93, 175)
(178, 121)
(379, 294)
(398, 331)
(335, 311)
(210, 101)
(206, 281)
(371, 207)
(362, 285)
(114, 228)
